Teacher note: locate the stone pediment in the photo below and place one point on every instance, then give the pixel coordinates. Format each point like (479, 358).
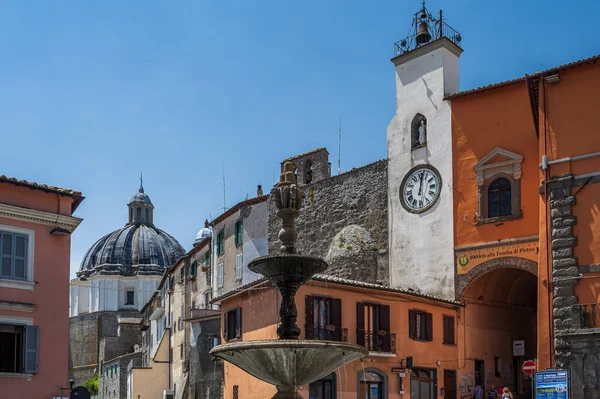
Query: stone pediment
(498, 161)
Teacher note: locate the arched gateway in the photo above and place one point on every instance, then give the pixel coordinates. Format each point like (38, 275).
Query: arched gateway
(499, 322)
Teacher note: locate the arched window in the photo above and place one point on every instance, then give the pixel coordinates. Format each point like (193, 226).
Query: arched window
(372, 384)
(130, 214)
(308, 172)
(147, 215)
(324, 388)
(500, 198)
(418, 131)
(138, 214)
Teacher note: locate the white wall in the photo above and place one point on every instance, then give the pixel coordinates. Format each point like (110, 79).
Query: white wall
(108, 293)
(422, 245)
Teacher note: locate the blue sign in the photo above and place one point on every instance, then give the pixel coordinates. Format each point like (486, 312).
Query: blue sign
(552, 385)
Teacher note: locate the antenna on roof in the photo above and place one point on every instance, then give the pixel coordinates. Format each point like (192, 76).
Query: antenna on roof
(340, 147)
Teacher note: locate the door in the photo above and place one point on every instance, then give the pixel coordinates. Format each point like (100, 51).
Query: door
(422, 384)
(371, 386)
(480, 374)
(450, 384)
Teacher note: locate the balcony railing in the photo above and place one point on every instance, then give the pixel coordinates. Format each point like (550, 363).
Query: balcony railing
(437, 31)
(377, 341)
(329, 333)
(589, 315)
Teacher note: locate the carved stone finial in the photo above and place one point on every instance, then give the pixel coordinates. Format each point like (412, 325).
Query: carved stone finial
(288, 200)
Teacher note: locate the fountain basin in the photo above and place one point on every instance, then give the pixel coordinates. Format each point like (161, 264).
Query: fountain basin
(287, 269)
(288, 364)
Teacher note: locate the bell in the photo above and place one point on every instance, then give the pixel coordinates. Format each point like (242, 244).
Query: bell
(423, 35)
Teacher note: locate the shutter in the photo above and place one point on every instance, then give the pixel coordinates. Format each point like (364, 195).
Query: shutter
(309, 316)
(238, 322)
(226, 326)
(31, 349)
(385, 317)
(429, 326)
(336, 313)
(360, 323)
(450, 330)
(412, 324)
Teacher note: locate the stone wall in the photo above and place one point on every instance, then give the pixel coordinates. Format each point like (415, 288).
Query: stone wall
(355, 198)
(114, 384)
(576, 349)
(85, 333)
(206, 377)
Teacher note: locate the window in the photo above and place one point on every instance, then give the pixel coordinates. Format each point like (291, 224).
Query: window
(221, 243)
(308, 172)
(497, 366)
(147, 212)
(373, 327)
(207, 259)
(238, 266)
(220, 275)
(19, 348)
(212, 342)
(232, 324)
(130, 296)
(139, 214)
(193, 269)
(236, 392)
(324, 319)
(418, 137)
(422, 384)
(498, 176)
(13, 255)
(323, 388)
(448, 330)
(499, 198)
(179, 323)
(420, 325)
(372, 385)
(181, 351)
(237, 236)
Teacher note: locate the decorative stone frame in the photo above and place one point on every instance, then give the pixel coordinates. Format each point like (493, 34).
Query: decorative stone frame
(29, 283)
(487, 173)
(381, 373)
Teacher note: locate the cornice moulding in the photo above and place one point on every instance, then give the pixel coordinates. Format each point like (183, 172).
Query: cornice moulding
(69, 223)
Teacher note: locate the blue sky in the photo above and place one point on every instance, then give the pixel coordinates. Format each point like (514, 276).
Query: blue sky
(93, 93)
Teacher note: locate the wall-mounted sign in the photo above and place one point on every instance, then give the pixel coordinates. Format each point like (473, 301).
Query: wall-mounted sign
(552, 384)
(519, 348)
(468, 258)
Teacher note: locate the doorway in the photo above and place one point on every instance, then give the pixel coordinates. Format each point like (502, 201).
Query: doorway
(500, 308)
(423, 384)
(450, 384)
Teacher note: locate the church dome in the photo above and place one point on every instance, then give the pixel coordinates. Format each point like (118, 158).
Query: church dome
(205, 232)
(137, 248)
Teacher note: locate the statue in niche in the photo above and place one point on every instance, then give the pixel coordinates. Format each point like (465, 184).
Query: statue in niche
(422, 133)
(418, 131)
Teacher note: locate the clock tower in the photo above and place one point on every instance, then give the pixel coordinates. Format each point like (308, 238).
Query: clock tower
(421, 235)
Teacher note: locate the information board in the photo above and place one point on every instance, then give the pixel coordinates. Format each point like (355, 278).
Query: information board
(552, 385)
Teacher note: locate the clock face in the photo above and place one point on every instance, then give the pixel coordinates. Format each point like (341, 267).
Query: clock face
(420, 188)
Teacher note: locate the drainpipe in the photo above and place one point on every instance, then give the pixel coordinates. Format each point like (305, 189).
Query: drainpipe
(170, 333)
(546, 170)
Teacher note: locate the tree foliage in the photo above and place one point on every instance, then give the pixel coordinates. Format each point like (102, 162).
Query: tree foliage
(92, 385)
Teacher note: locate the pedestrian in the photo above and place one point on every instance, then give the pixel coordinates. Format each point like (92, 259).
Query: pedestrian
(506, 394)
(477, 392)
(492, 393)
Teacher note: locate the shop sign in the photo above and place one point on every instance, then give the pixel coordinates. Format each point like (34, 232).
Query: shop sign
(519, 348)
(469, 258)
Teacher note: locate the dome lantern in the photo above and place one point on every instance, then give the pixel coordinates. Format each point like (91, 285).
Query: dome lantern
(141, 209)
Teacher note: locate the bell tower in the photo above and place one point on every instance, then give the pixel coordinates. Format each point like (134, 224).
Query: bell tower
(421, 227)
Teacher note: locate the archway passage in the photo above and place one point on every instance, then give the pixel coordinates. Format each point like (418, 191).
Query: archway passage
(499, 319)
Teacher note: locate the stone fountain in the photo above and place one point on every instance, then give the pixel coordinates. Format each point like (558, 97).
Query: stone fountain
(288, 362)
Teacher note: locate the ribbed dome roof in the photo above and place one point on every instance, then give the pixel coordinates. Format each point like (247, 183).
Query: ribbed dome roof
(205, 232)
(140, 197)
(134, 244)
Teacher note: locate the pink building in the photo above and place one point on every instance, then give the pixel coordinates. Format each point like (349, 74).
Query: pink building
(35, 247)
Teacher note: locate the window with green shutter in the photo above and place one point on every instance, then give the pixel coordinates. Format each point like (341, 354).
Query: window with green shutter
(207, 259)
(238, 233)
(13, 255)
(221, 243)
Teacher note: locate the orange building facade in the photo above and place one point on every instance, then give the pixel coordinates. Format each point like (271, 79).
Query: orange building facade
(526, 160)
(35, 245)
(392, 324)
